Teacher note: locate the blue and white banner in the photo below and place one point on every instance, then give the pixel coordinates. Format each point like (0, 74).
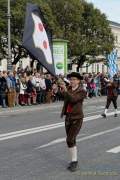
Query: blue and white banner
(112, 63)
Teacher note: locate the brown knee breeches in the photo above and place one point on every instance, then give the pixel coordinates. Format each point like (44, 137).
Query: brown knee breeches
(72, 128)
(113, 100)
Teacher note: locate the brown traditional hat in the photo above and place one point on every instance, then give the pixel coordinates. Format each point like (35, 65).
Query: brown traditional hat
(75, 74)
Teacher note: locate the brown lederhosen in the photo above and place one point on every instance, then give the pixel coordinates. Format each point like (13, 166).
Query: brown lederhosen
(11, 97)
(112, 99)
(72, 128)
(49, 96)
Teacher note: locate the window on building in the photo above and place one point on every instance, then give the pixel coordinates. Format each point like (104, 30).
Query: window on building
(103, 68)
(97, 68)
(70, 66)
(116, 39)
(92, 67)
(86, 68)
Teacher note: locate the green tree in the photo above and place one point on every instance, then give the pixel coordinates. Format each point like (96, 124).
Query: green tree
(3, 27)
(18, 9)
(86, 28)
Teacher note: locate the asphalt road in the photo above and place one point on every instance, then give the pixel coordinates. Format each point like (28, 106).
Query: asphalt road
(32, 143)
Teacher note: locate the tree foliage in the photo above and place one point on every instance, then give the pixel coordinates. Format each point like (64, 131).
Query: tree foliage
(84, 26)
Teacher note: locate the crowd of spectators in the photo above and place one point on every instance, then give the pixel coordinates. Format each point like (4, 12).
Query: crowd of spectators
(23, 87)
(96, 84)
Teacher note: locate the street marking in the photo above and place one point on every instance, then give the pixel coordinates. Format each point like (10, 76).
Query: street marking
(115, 150)
(25, 132)
(56, 141)
(79, 140)
(89, 118)
(101, 107)
(58, 112)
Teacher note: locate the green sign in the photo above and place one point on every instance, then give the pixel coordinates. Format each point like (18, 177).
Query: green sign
(60, 56)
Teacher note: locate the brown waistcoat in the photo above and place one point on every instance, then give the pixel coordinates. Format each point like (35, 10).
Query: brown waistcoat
(75, 99)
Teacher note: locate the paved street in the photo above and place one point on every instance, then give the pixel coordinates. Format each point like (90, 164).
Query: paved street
(32, 143)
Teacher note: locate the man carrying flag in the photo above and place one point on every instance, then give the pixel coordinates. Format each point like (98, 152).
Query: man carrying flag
(112, 95)
(74, 96)
(112, 86)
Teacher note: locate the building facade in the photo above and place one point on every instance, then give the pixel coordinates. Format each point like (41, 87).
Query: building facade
(99, 66)
(116, 31)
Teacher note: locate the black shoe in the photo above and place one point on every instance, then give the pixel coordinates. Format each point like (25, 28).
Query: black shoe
(103, 115)
(73, 166)
(115, 115)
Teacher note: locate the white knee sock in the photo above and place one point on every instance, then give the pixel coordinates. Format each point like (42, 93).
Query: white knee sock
(115, 111)
(105, 111)
(73, 153)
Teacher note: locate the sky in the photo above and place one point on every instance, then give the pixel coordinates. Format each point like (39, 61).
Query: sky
(110, 7)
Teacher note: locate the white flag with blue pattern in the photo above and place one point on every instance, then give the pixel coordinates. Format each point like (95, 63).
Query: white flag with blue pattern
(112, 65)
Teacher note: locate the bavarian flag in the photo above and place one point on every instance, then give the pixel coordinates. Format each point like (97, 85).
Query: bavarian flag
(112, 63)
(35, 38)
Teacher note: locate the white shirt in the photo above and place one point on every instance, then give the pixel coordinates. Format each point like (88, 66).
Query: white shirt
(42, 84)
(37, 82)
(34, 80)
(22, 88)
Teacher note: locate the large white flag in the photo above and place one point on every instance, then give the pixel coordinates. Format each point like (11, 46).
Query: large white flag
(35, 38)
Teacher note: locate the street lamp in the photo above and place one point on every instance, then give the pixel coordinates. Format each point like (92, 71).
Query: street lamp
(9, 61)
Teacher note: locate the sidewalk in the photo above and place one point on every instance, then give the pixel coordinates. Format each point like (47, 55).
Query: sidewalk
(20, 109)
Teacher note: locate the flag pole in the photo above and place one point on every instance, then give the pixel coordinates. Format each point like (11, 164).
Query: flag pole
(9, 60)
